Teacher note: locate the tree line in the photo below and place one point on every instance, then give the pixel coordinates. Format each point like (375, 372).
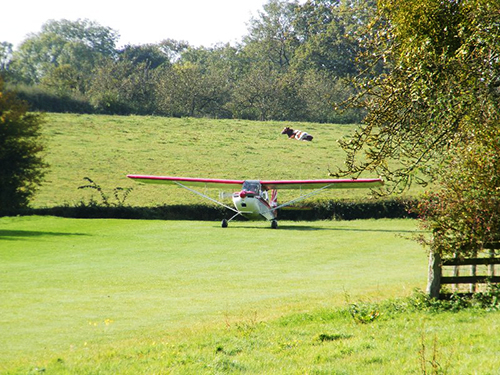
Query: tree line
(294, 64)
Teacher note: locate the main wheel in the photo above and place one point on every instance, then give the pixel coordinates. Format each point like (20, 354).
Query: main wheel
(274, 224)
(224, 223)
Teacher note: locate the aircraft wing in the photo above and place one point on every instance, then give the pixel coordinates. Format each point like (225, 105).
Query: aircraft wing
(188, 181)
(323, 184)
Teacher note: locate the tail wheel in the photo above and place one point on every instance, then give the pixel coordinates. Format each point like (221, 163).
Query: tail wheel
(224, 223)
(274, 224)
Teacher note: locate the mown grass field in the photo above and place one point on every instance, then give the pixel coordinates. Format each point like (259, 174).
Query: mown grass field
(130, 296)
(158, 297)
(107, 148)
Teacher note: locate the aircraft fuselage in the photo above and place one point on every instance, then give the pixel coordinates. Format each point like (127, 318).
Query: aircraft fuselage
(253, 203)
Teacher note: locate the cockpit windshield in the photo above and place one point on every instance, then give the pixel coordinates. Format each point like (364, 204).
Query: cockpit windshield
(252, 186)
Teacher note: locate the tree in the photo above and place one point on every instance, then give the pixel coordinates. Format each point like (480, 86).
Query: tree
(185, 90)
(319, 91)
(150, 54)
(62, 80)
(329, 35)
(221, 67)
(122, 87)
(81, 44)
(434, 116)
(21, 166)
(442, 56)
(256, 96)
(6, 60)
(271, 36)
(5, 56)
(173, 49)
(464, 215)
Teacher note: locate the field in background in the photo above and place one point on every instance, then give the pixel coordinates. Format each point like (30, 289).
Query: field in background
(107, 148)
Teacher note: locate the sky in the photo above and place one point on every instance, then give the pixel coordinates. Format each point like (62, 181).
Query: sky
(199, 22)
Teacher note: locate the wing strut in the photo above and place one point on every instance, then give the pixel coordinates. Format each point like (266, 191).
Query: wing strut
(207, 197)
(302, 197)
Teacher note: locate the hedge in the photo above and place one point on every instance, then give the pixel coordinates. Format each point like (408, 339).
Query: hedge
(324, 210)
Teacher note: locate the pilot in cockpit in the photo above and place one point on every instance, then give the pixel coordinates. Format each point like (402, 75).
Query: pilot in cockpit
(252, 186)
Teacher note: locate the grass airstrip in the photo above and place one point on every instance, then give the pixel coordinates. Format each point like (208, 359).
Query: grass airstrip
(80, 296)
(129, 296)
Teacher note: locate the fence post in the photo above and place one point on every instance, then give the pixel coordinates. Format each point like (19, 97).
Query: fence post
(473, 269)
(434, 276)
(456, 272)
(491, 267)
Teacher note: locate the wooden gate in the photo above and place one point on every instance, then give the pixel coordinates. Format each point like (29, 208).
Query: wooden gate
(463, 271)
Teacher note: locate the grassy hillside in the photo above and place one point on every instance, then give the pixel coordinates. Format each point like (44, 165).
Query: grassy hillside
(107, 148)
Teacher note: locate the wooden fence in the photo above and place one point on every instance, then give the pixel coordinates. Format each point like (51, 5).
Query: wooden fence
(471, 271)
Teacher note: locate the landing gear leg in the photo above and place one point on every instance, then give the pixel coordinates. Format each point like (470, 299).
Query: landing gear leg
(274, 224)
(226, 222)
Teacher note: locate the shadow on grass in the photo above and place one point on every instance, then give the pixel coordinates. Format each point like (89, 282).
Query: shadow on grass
(314, 228)
(26, 234)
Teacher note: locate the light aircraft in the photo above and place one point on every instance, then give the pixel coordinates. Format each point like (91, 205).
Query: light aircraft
(257, 199)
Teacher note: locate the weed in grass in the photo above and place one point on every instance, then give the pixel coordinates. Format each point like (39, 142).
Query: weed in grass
(223, 365)
(434, 364)
(364, 312)
(322, 337)
(120, 194)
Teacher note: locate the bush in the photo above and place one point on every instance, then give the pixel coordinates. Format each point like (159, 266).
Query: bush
(21, 166)
(40, 99)
(464, 216)
(367, 312)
